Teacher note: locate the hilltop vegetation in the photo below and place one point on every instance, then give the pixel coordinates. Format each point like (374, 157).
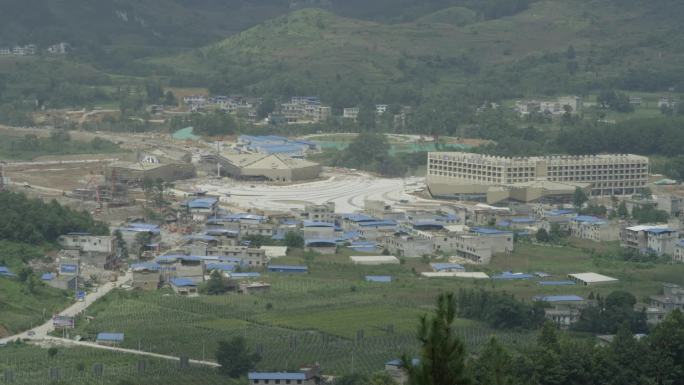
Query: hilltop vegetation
(553, 47)
(33, 221)
(27, 228)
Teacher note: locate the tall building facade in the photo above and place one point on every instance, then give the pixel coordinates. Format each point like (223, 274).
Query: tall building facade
(619, 174)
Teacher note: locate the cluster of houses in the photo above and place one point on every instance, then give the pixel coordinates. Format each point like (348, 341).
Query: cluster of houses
(353, 112)
(559, 106)
(235, 104)
(305, 109)
(60, 48)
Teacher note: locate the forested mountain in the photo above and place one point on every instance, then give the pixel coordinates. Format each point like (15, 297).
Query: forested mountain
(554, 46)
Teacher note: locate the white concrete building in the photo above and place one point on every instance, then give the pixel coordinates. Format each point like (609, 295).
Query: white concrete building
(659, 239)
(472, 174)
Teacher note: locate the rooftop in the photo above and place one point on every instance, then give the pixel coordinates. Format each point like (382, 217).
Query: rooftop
(592, 277)
(295, 376)
(559, 298)
(183, 282)
(117, 337)
(379, 278)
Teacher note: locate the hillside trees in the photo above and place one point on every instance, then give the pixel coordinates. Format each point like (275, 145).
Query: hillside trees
(442, 357)
(33, 221)
(235, 358)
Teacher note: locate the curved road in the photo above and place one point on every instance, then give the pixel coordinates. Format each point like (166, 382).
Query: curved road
(347, 191)
(42, 331)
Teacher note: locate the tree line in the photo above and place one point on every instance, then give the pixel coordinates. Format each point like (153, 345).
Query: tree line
(35, 222)
(557, 358)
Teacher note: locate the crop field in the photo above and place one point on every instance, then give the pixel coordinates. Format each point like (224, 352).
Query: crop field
(332, 316)
(31, 365)
(343, 324)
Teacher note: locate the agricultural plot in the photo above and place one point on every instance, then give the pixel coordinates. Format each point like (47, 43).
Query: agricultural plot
(301, 321)
(31, 365)
(332, 316)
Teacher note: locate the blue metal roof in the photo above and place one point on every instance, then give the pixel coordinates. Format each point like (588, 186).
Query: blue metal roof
(244, 216)
(296, 376)
(398, 362)
(5, 270)
(244, 275)
(321, 242)
(202, 203)
(557, 283)
(153, 266)
(379, 278)
(220, 266)
(114, 337)
(588, 219)
(139, 230)
(317, 224)
(348, 235)
(174, 258)
(509, 275)
(446, 266)
(488, 231)
(200, 237)
(289, 148)
(359, 218)
(149, 226)
(287, 268)
(427, 223)
(659, 230)
(47, 277)
(377, 223)
(183, 282)
(559, 298)
(558, 212)
(522, 220)
(220, 232)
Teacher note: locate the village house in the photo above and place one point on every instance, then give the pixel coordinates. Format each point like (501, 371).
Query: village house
(305, 376)
(564, 310)
(319, 213)
(250, 257)
(96, 250)
(659, 239)
(184, 286)
(594, 229)
(671, 299)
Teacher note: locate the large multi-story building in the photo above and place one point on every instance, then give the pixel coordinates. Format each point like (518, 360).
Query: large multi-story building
(455, 174)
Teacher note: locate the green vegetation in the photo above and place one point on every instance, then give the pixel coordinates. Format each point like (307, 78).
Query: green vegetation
(234, 357)
(25, 301)
(216, 123)
(34, 222)
(58, 143)
(30, 365)
(610, 313)
(371, 152)
(557, 358)
(499, 310)
(27, 224)
(442, 353)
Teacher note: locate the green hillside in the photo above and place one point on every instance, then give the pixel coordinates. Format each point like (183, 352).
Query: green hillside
(615, 43)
